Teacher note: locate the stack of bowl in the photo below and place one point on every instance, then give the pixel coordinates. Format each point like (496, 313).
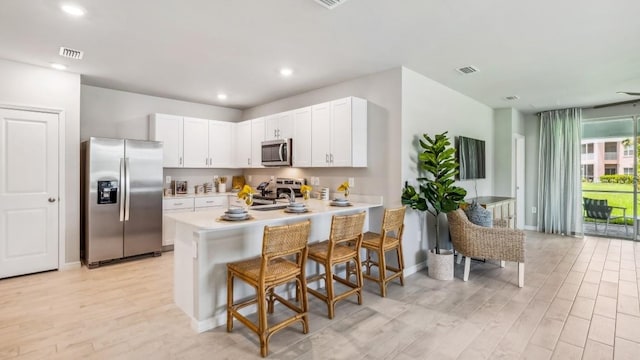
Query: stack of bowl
(296, 207)
(235, 213)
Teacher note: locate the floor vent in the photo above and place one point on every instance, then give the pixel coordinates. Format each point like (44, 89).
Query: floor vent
(330, 4)
(71, 53)
(467, 69)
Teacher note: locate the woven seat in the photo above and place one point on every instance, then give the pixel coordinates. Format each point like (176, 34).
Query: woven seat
(390, 238)
(284, 254)
(473, 241)
(342, 248)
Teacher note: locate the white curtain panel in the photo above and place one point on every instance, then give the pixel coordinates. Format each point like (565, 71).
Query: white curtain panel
(559, 182)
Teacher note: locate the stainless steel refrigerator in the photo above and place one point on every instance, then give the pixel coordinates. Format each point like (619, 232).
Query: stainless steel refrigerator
(122, 199)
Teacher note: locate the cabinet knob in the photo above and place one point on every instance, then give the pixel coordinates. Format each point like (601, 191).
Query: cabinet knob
(52, 200)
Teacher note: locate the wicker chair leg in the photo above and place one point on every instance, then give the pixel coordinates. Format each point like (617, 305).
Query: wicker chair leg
(359, 279)
(467, 268)
(503, 263)
(329, 288)
(229, 300)
(400, 263)
(262, 323)
(304, 303)
(520, 274)
(459, 259)
(382, 271)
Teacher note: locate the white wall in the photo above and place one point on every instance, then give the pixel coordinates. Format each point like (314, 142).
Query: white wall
(430, 107)
(532, 144)
(41, 87)
(503, 135)
(121, 114)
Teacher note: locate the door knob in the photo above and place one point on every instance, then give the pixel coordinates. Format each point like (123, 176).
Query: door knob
(52, 199)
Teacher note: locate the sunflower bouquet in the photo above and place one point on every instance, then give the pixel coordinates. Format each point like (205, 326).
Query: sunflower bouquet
(306, 191)
(246, 194)
(344, 187)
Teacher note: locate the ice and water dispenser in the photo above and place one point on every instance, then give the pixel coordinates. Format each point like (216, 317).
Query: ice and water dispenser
(107, 192)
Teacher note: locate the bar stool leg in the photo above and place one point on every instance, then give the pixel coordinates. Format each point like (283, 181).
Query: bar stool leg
(382, 272)
(329, 288)
(229, 300)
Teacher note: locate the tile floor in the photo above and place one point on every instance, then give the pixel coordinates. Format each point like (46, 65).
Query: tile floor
(580, 301)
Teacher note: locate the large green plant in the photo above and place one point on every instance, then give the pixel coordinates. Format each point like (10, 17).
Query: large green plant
(437, 193)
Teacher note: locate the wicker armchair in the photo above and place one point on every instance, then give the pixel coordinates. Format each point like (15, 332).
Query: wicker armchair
(471, 240)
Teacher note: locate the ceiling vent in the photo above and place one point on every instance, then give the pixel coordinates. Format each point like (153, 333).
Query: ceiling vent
(71, 53)
(512, 97)
(467, 70)
(330, 4)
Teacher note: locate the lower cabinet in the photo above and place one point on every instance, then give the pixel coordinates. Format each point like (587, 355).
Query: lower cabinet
(187, 204)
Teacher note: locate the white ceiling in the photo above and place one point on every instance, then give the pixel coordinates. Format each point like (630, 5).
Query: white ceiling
(551, 53)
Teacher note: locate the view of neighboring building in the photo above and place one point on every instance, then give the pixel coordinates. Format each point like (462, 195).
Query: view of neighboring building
(605, 157)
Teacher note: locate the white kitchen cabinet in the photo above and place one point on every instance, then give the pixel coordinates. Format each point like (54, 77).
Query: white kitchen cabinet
(210, 202)
(339, 132)
(279, 126)
(173, 205)
(243, 144)
(220, 144)
(302, 139)
(196, 144)
(169, 130)
(257, 137)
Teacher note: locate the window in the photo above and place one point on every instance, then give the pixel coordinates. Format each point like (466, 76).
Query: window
(610, 151)
(628, 171)
(587, 148)
(628, 150)
(610, 169)
(587, 172)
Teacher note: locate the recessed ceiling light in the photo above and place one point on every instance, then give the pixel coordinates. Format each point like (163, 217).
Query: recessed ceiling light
(73, 10)
(58, 66)
(286, 72)
(222, 96)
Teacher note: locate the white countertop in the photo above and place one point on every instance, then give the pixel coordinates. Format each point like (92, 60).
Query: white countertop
(210, 220)
(193, 195)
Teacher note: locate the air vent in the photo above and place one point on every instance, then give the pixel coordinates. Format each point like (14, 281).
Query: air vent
(467, 69)
(71, 53)
(330, 4)
(511, 97)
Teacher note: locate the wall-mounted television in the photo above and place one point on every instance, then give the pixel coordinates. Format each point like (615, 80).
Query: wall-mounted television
(471, 157)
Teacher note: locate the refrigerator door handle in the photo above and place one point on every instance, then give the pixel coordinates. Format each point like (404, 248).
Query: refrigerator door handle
(122, 188)
(127, 189)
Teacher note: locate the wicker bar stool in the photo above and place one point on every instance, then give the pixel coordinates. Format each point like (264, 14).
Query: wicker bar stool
(284, 254)
(390, 238)
(343, 247)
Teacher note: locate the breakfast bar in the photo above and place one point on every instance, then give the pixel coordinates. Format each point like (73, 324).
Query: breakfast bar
(204, 244)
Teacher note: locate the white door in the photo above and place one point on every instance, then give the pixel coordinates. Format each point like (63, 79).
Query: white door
(196, 146)
(302, 137)
(257, 137)
(28, 192)
(243, 144)
(341, 133)
(271, 127)
(285, 125)
(168, 129)
(220, 144)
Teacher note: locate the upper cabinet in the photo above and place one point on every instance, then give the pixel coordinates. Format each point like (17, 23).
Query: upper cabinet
(339, 130)
(301, 139)
(279, 126)
(191, 142)
(243, 147)
(169, 130)
(257, 137)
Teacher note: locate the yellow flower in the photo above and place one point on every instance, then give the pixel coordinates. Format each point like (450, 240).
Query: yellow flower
(246, 190)
(305, 188)
(344, 186)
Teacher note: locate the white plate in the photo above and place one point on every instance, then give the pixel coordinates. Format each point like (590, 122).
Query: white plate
(235, 216)
(295, 210)
(296, 204)
(340, 203)
(244, 217)
(340, 200)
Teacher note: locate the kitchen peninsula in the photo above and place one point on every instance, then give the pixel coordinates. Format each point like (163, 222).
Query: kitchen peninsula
(204, 244)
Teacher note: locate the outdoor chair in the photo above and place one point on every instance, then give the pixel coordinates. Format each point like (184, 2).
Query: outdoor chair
(597, 209)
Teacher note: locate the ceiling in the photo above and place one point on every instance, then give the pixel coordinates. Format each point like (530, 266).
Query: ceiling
(550, 53)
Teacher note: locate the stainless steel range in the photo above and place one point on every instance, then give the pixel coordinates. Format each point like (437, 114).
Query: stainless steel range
(271, 191)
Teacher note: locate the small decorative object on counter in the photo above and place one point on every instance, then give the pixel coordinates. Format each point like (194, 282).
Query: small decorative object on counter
(222, 184)
(179, 187)
(198, 189)
(167, 192)
(306, 191)
(208, 187)
(344, 187)
(246, 194)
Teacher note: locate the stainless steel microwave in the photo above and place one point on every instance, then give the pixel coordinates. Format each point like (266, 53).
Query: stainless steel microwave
(276, 152)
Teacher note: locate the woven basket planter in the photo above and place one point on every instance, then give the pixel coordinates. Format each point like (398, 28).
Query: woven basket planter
(440, 265)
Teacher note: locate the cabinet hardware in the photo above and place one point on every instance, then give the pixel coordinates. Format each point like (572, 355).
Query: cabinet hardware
(331, 158)
(52, 199)
(326, 158)
(177, 204)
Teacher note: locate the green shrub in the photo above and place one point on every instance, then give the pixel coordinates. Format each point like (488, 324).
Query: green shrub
(617, 179)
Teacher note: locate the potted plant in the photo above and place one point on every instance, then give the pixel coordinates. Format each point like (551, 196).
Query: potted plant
(436, 195)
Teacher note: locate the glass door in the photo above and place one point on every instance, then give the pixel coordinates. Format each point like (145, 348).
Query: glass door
(609, 164)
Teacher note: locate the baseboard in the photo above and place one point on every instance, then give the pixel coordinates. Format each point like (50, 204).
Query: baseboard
(531, 227)
(415, 268)
(70, 266)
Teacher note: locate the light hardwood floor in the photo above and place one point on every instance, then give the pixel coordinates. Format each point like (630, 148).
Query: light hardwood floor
(580, 300)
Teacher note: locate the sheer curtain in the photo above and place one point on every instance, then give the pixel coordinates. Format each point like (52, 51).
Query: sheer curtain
(559, 179)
